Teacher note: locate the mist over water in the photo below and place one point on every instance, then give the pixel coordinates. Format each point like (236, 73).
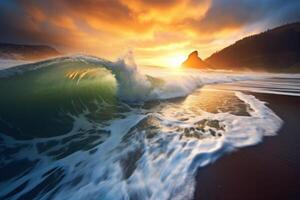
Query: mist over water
(86, 128)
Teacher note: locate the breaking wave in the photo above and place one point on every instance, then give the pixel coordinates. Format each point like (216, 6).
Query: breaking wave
(82, 127)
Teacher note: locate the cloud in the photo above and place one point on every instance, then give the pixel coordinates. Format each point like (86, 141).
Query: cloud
(149, 27)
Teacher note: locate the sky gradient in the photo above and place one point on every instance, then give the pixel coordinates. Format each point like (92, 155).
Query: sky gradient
(159, 32)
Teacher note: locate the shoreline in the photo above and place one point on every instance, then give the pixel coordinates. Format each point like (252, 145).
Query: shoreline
(269, 170)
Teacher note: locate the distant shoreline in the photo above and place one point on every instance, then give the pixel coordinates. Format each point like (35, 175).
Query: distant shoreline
(275, 50)
(27, 51)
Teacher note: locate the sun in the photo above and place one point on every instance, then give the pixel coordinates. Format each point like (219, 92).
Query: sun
(170, 60)
(174, 61)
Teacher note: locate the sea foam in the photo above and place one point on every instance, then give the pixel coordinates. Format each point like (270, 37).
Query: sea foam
(147, 155)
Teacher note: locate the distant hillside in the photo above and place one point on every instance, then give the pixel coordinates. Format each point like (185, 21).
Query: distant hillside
(275, 50)
(194, 61)
(26, 52)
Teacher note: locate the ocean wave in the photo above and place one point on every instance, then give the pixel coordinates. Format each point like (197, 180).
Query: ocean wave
(133, 86)
(82, 127)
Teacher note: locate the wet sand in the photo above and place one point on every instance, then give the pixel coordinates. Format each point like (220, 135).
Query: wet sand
(269, 170)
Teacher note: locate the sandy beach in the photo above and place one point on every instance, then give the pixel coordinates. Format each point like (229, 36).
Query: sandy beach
(269, 170)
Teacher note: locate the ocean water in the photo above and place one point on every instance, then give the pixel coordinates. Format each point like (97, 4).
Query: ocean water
(82, 127)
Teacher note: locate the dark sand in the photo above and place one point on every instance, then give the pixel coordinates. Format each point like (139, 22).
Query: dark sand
(269, 170)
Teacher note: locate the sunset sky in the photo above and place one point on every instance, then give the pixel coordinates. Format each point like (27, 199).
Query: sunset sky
(158, 32)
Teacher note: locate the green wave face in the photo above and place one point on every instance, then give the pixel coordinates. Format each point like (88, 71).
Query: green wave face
(41, 100)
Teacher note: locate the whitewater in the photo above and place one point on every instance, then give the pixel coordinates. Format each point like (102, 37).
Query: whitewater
(82, 127)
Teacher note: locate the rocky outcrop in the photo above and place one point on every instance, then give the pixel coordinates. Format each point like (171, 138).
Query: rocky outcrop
(194, 61)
